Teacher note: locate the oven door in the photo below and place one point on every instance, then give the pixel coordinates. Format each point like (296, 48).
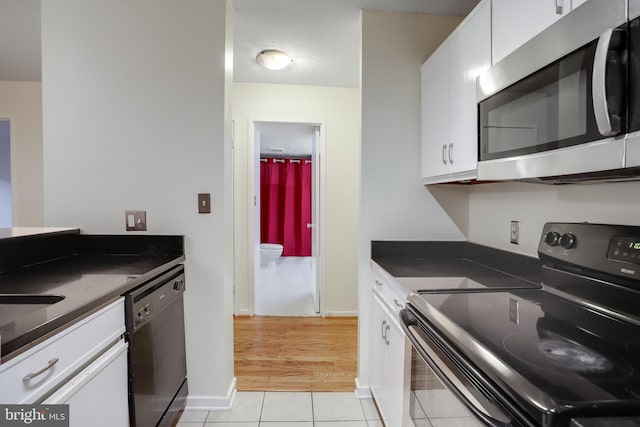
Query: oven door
(567, 114)
(442, 387)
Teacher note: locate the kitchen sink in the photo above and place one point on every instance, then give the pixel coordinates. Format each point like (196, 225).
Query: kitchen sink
(17, 306)
(29, 299)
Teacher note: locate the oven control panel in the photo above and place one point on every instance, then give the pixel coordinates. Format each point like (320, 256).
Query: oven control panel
(608, 249)
(625, 248)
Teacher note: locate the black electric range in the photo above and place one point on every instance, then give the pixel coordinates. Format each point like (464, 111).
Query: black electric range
(567, 354)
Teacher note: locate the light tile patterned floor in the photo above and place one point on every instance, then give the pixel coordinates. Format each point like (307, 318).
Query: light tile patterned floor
(289, 409)
(286, 288)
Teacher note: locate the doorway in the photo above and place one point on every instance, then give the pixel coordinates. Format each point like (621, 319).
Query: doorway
(286, 217)
(6, 219)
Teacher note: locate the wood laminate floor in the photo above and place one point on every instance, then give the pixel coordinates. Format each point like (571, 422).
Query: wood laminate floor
(295, 353)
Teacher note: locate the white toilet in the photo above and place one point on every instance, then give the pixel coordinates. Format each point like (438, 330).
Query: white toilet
(269, 252)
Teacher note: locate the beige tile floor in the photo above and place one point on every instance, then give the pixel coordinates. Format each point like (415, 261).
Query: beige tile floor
(289, 409)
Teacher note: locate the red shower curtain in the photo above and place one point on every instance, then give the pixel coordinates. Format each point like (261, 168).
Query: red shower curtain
(285, 204)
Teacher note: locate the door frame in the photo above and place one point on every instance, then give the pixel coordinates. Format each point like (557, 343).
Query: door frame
(12, 171)
(253, 251)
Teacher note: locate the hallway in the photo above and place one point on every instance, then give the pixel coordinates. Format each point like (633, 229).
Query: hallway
(295, 353)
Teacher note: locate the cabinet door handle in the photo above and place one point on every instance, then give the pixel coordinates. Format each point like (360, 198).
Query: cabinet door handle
(46, 368)
(379, 284)
(450, 154)
(384, 330)
(386, 334)
(559, 7)
(444, 154)
(398, 303)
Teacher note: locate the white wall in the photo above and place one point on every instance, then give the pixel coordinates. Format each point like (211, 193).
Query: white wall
(493, 206)
(339, 109)
(394, 204)
(135, 118)
(21, 102)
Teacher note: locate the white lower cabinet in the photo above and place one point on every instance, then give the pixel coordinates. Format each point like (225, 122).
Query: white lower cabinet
(84, 365)
(97, 396)
(388, 350)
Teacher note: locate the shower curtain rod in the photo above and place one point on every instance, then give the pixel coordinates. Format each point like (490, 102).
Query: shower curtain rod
(284, 156)
(282, 159)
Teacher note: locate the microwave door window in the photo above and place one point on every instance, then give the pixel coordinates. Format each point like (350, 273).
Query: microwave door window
(549, 109)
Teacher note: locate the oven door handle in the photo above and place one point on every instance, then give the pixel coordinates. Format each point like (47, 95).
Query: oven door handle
(452, 377)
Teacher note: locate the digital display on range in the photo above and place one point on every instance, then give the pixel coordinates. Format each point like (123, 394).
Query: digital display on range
(625, 248)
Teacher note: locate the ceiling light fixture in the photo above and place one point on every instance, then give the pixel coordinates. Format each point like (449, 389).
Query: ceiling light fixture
(272, 59)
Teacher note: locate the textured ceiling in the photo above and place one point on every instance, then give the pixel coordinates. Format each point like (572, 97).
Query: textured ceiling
(322, 36)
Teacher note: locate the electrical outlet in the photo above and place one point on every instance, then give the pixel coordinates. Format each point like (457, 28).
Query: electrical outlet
(515, 232)
(135, 220)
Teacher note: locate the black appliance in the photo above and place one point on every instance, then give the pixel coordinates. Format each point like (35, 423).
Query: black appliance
(565, 354)
(157, 362)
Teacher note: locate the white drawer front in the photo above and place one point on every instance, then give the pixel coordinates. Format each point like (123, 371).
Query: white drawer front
(389, 292)
(72, 347)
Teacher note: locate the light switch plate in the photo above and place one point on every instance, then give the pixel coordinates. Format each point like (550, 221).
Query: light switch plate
(135, 220)
(204, 203)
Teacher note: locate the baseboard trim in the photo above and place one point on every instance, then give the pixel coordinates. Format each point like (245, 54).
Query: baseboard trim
(362, 391)
(242, 312)
(213, 403)
(341, 314)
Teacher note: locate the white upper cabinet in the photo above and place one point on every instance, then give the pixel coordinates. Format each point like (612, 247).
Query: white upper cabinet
(514, 22)
(449, 110)
(435, 113)
(469, 55)
(576, 3)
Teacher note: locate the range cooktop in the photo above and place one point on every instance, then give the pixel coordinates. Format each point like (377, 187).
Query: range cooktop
(567, 350)
(556, 352)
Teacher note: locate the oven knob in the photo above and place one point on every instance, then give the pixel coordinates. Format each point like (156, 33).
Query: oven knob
(552, 238)
(568, 241)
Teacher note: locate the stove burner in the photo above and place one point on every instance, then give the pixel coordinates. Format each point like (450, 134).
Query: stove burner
(574, 356)
(560, 356)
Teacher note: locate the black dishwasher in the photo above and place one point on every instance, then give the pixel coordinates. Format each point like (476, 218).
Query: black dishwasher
(157, 362)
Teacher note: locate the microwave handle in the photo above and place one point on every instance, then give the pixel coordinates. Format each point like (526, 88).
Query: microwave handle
(608, 123)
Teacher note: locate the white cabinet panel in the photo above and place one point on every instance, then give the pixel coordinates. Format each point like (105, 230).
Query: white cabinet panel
(449, 110)
(516, 21)
(98, 395)
(396, 361)
(25, 379)
(377, 350)
(469, 55)
(435, 113)
(388, 367)
(576, 3)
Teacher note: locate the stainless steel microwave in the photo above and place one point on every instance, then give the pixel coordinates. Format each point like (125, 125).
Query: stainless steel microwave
(557, 108)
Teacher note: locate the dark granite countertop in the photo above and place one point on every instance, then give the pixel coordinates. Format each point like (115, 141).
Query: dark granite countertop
(89, 271)
(432, 265)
